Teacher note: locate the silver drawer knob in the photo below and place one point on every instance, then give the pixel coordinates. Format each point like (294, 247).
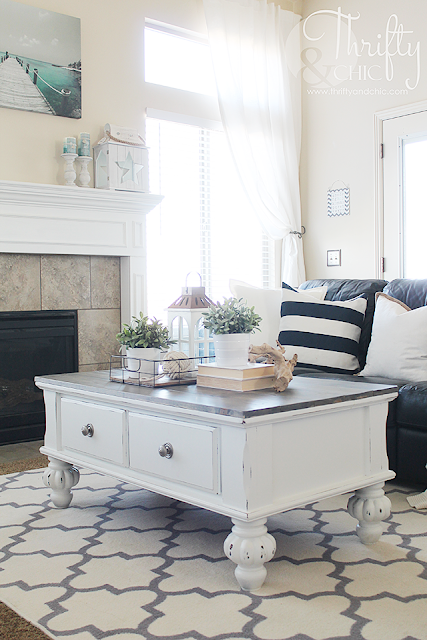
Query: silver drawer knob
(166, 450)
(88, 430)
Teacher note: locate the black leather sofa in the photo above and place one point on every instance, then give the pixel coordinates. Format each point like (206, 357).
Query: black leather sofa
(407, 417)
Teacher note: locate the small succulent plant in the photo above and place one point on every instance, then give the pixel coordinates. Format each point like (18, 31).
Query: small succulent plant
(231, 316)
(145, 333)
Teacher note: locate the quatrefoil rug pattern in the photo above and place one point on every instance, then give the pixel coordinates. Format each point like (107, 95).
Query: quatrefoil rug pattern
(122, 562)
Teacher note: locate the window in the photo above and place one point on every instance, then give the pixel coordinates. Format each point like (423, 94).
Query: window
(404, 223)
(414, 219)
(178, 58)
(204, 224)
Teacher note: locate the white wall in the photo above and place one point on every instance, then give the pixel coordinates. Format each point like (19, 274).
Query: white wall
(113, 88)
(338, 136)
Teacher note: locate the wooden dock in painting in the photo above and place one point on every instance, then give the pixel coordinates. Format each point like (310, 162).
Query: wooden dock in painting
(18, 91)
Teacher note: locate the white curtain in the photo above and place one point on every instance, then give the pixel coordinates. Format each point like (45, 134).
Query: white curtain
(260, 104)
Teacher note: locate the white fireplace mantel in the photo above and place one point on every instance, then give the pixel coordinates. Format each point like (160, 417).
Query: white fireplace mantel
(55, 219)
(41, 218)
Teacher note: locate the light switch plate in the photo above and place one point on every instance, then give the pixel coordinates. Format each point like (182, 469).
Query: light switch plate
(333, 258)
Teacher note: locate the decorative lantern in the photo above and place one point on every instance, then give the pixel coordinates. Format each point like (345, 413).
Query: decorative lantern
(121, 160)
(185, 322)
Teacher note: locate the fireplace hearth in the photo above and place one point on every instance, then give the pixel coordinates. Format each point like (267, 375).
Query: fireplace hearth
(68, 248)
(32, 343)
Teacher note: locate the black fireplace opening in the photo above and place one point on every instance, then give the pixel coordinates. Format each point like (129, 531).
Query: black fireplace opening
(32, 343)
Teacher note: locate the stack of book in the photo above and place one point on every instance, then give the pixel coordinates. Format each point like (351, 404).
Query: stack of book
(245, 378)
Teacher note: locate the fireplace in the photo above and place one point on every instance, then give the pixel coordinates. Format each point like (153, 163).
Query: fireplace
(69, 221)
(70, 248)
(32, 343)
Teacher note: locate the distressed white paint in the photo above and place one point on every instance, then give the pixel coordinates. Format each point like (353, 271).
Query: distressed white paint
(247, 469)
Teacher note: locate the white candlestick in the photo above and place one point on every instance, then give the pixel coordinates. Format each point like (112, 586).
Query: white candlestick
(84, 175)
(69, 172)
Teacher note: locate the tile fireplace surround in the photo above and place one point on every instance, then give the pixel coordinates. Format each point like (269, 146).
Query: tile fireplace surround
(75, 248)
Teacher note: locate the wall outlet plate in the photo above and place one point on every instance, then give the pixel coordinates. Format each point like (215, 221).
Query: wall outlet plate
(333, 258)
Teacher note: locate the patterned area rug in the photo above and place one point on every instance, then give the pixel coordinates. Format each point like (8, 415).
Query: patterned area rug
(124, 563)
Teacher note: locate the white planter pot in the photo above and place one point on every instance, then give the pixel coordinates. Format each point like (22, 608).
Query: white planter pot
(144, 364)
(232, 349)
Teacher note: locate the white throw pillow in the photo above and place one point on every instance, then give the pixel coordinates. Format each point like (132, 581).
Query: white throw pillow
(315, 292)
(324, 334)
(267, 304)
(398, 347)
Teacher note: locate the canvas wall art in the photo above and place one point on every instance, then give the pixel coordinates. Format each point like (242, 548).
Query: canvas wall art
(40, 60)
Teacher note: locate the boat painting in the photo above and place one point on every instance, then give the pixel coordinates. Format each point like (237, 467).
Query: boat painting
(40, 60)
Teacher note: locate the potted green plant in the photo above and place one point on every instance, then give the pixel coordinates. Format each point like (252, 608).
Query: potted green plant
(231, 324)
(145, 339)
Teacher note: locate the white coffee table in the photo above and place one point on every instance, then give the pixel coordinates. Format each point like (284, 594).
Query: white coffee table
(244, 455)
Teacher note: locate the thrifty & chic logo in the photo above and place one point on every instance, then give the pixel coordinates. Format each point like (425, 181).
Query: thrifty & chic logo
(331, 54)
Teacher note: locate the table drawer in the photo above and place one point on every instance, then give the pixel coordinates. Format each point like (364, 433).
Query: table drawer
(195, 450)
(108, 428)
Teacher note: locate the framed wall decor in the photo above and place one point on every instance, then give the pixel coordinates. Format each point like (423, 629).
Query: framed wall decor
(339, 201)
(40, 60)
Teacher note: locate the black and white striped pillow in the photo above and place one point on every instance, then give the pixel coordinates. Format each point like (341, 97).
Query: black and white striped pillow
(324, 334)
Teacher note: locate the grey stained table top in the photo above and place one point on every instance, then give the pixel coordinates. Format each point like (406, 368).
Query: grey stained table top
(302, 393)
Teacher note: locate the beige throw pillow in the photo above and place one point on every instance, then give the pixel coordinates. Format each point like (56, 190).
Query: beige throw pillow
(398, 347)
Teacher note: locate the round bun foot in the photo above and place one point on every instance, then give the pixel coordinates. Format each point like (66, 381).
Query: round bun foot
(370, 506)
(250, 547)
(60, 477)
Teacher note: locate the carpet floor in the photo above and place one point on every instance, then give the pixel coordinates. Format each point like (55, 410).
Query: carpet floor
(24, 465)
(122, 562)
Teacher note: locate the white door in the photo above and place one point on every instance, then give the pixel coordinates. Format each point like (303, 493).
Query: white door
(405, 196)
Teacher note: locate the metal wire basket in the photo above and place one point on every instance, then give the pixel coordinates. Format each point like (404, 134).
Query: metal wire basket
(170, 370)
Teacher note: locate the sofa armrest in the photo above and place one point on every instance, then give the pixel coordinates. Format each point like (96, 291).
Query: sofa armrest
(412, 405)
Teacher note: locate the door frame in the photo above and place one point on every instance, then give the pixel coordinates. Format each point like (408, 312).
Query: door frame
(379, 117)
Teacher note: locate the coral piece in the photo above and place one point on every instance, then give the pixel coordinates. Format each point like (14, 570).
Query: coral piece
(282, 368)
